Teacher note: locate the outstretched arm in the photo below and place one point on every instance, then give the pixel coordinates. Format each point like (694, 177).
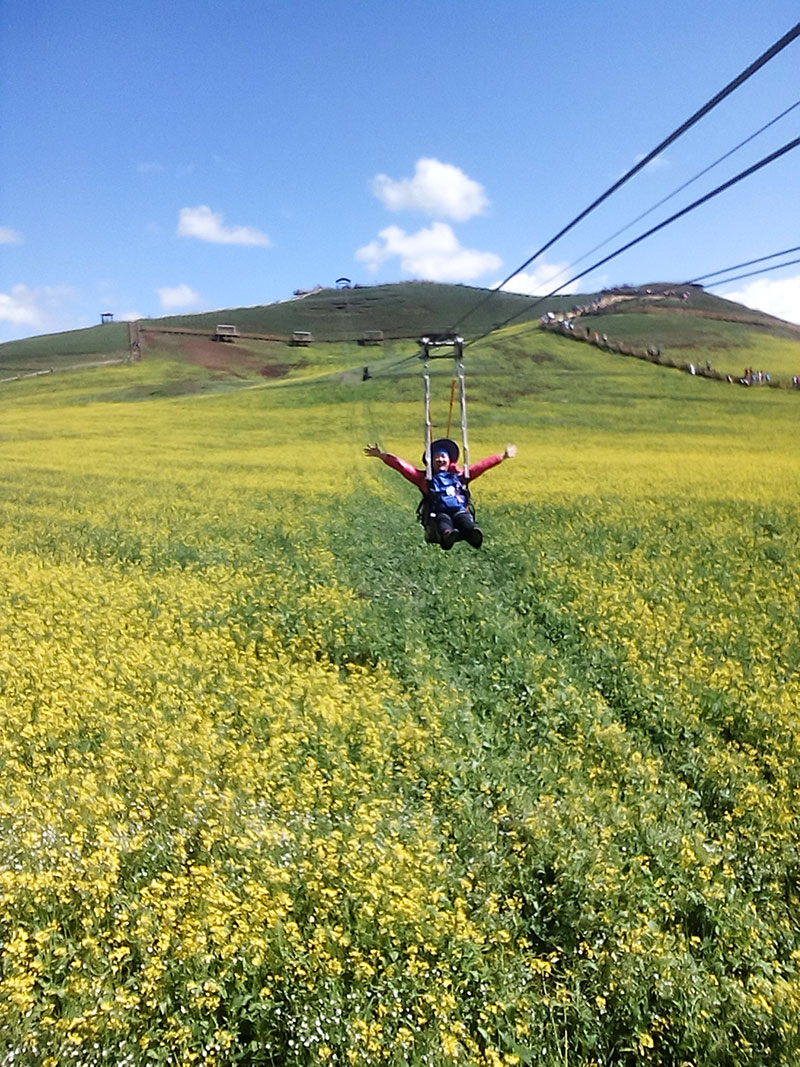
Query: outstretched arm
(483, 465)
(402, 466)
(374, 450)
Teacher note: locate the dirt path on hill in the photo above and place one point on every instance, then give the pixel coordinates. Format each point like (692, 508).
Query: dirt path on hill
(134, 341)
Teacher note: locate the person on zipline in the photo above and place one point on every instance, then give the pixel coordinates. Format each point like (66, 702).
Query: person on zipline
(447, 513)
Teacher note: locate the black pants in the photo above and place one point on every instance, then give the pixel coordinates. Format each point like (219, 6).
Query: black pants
(462, 521)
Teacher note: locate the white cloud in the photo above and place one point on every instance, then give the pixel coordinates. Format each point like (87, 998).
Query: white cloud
(436, 189)
(434, 254)
(541, 280)
(9, 236)
(177, 296)
(20, 307)
(656, 163)
(43, 309)
(779, 297)
(150, 166)
(207, 225)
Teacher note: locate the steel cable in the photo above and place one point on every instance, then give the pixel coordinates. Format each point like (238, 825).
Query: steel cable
(755, 66)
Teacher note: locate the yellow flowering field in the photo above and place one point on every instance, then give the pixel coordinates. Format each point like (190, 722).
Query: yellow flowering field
(280, 784)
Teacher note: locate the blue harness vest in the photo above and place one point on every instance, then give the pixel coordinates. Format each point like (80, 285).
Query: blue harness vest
(448, 492)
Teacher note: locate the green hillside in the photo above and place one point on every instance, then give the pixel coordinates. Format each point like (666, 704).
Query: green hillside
(703, 328)
(62, 350)
(405, 310)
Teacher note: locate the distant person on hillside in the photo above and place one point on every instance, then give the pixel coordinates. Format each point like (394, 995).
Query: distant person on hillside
(447, 513)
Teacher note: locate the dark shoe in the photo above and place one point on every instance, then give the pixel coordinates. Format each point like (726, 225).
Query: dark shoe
(475, 537)
(448, 538)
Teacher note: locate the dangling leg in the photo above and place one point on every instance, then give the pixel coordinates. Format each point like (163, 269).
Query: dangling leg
(447, 534)
(465, 524)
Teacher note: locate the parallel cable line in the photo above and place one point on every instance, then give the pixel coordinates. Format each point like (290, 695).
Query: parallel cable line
(654, 229)
(751, 273)
(680, 188)
(747, 263)
(770, 53)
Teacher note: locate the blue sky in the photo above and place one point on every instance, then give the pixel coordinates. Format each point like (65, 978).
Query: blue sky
(171, 156)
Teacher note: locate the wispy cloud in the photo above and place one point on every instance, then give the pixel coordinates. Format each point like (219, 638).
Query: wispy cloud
(20, 307)
(207, 225)
(542, 279)
(9, 236)
(657, 163)
(779, 297)
(434, 254)
(177, 296)
(41, 309)
(437, 189)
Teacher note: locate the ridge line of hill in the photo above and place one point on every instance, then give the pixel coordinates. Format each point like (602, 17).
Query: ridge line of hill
(406, 311)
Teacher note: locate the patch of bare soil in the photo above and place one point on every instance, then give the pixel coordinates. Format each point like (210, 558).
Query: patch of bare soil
(214, 356)
(275, 370)
(236, 359)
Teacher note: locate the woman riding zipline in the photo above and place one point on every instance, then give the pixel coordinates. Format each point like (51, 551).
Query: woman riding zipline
(447, 513)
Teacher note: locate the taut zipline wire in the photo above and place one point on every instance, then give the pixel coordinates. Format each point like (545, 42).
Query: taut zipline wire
(749, 71)
(679, 189)
(755, 66)
(748, 263)
(751, 273)
(653, 229)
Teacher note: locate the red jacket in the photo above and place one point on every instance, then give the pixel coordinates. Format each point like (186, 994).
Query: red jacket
(420, 478)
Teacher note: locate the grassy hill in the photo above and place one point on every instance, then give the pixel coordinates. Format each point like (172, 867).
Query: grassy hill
(703, 328)
(64, 350)
(282, 784)
(406, 310)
